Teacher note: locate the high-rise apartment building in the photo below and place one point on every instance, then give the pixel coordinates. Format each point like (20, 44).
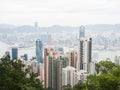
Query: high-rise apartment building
(55, 73)
(68, 76)
(53, 63)
(39, 50)
(71, 76)
(72, 55)
(14, 53)
(46, 60)
(84, 53)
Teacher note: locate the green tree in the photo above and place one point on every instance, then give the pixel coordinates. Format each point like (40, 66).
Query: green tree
(108, 79)
(108, 82)
(67, 87)
(105, 67)
(13, 76)
(116, 72)
(80, 86)
(92, 82)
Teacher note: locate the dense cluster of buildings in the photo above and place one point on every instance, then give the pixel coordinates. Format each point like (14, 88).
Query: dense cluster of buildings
(57, 68)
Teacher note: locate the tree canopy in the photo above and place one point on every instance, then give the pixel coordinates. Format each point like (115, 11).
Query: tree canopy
(13, 76)
(108, 78)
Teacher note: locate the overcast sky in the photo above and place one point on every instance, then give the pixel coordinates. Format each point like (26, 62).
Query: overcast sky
(60, 12)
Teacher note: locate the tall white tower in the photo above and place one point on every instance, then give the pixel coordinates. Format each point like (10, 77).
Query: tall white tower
(84, 53)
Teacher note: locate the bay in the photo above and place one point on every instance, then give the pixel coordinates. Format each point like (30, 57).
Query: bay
(96, 54)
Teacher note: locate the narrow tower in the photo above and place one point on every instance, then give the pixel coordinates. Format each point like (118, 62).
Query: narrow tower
(39, 50)
(82, 31)
(14, 53)
(84, 51)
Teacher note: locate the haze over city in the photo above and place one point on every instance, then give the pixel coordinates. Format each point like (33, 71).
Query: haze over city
(60, 12)
(59, 45)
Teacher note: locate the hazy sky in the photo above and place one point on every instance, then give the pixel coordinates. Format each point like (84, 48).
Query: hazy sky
(61, 12)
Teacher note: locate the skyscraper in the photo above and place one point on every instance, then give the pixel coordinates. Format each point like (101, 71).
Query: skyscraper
(47, 52)
(82, 31)
(14, 53)
(55, 73)
(54, 61)
(39, 50)
(84, 53)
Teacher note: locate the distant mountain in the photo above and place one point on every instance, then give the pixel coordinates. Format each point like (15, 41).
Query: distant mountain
(7, 26)
(24, 28)
(99, 28)
(104, 27)
(57, 28)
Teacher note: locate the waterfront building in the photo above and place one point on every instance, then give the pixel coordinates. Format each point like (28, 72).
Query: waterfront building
(39, 50)
(14, 53)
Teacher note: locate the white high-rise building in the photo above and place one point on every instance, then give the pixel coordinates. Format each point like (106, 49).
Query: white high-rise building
(84, 53)
(71, 76)
(68, 76)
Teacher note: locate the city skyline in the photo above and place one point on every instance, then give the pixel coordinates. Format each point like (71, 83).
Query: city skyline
(59, 45)
(59, 67)
(60, 12)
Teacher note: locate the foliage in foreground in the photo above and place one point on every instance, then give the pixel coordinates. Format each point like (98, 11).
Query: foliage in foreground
(13, 76)
(108, 78)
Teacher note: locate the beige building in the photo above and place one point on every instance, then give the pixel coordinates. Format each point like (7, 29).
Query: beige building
(47, 52)
(72, 55)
